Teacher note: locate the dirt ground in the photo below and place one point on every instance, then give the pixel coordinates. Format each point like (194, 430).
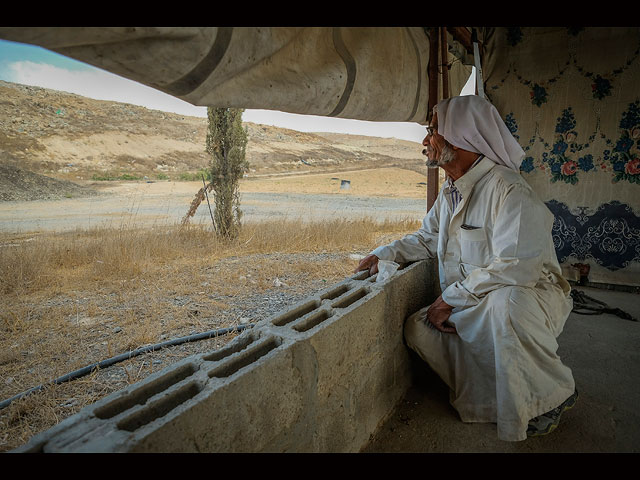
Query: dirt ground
(385, 193)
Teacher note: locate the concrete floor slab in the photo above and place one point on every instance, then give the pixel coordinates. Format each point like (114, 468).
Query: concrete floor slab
(603, 352)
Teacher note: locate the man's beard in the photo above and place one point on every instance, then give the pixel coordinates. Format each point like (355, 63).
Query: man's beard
(447, 155)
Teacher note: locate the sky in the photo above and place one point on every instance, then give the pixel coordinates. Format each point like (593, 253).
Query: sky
(36, 66)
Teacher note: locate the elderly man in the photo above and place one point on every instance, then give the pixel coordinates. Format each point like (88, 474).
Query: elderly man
(491, 334)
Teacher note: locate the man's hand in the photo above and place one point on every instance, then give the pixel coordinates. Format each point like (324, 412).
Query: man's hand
(438, 315)
(369, 262)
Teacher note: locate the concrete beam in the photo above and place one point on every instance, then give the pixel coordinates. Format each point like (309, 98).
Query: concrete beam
(320, 376)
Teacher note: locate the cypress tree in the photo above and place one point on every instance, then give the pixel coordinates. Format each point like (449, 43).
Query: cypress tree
(226, 143)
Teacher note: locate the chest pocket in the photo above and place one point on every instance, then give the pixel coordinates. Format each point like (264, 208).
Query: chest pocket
(474, 248)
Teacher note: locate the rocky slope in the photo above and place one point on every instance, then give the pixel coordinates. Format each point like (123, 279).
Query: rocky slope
(72, 138)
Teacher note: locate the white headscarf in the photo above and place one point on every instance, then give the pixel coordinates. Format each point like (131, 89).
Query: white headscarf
(472, 123)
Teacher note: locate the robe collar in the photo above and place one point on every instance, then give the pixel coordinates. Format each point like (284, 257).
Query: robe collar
(467, 181)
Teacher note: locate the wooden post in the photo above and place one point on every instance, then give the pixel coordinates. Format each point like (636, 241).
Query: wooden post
(462, 35)
(432, 173)
(444, 53)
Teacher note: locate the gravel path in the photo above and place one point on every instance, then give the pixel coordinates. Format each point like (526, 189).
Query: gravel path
(169, 208)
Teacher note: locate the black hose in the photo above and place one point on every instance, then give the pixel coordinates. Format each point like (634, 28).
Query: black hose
(126, 356)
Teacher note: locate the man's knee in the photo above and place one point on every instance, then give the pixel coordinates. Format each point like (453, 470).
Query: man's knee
(411, 324)
(415, 327)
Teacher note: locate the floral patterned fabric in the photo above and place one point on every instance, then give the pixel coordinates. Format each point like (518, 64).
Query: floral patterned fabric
(571, 96)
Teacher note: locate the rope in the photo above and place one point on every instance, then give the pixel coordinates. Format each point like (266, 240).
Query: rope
(586, 305)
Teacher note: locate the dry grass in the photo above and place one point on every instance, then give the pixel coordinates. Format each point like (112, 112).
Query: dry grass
(72, 299)
(94, 258)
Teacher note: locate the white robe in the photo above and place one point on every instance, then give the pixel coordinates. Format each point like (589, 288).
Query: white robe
(501, 274)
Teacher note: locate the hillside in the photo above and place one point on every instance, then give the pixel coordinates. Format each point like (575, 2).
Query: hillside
(68, 137)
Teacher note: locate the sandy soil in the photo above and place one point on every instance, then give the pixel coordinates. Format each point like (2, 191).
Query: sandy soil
(382, 193)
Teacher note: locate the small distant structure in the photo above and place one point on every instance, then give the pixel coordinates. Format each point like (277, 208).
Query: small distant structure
(345, 184)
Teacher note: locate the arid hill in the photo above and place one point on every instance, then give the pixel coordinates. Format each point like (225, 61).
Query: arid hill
(73, 138)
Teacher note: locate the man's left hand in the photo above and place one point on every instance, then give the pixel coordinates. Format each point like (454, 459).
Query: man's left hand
(438, 315)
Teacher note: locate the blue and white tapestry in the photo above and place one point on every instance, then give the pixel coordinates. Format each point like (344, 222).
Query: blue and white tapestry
(571, 96)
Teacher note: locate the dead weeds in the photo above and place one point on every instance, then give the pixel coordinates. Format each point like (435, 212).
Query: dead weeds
(73, 299)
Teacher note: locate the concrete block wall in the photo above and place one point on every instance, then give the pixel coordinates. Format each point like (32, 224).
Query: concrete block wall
(320, 376)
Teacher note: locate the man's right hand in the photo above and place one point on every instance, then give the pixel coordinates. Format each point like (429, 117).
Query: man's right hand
(369, 262)
(438, 315)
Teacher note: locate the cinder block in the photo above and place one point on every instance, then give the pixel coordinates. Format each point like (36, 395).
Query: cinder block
(320, 376)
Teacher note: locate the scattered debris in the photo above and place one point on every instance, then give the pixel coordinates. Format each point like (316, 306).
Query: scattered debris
(278, 283)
